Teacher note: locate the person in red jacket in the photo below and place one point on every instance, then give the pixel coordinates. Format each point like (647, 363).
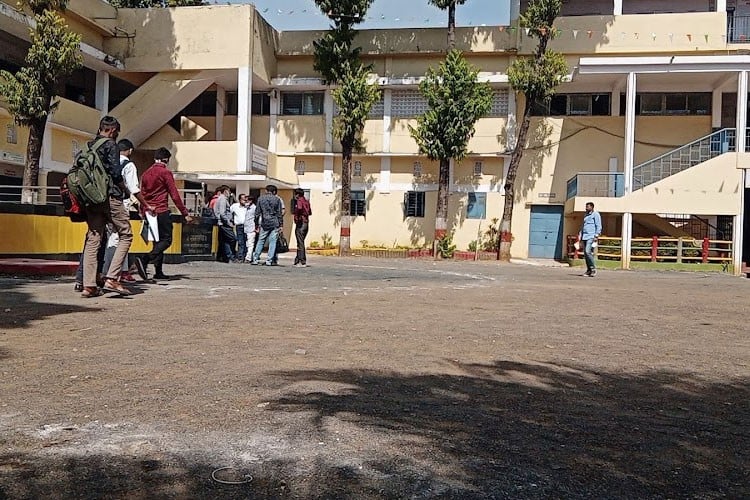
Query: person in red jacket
(157, 186)
(301, 212)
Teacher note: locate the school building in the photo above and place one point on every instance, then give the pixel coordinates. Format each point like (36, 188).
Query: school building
(650, 123)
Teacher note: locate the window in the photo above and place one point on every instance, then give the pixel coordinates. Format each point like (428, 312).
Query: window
(478, 165)
(231, 104)
(11, 134)
(572, 105)
(203, 105)
(414, 204)
(499, 103)
(302, 103)
(682, 103)
(476, 207)
(357, 170)
(359, 203)
(261, 104)
(376, 112)
(299, 167)
(417, 169)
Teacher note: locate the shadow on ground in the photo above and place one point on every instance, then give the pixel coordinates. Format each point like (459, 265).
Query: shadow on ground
(506, 430)
(18, 308)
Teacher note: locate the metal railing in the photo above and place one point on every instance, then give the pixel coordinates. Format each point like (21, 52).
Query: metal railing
(738, 29)
(596, 184)
(684, 157)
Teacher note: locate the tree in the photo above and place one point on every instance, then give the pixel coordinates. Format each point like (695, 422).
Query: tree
(536, 78)
(456, 101)
(451, 6)
(30, 93)
(338, 61)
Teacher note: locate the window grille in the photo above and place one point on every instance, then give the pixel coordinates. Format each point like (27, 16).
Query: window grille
(417, 169)
(478, 166)
(358, 203)
(414, 204)
(408, 103)
(499, 103)
(302, 103)
(299, 167)
(357, 170)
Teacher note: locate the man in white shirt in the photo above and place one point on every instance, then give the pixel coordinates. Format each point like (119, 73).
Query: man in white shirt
(130, 178)
(249, 227)
(238, 211)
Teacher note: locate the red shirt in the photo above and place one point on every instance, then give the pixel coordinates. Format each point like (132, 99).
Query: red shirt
(302, 210)
(156, 184)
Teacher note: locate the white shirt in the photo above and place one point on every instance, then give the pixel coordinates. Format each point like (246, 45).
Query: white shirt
(238, 212)
(250, 219)
(130, 177)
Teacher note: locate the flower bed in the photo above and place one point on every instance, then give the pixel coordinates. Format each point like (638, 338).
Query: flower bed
(482, 255)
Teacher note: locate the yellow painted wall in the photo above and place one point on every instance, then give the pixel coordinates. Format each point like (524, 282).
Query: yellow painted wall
(22, 136)
(264, 49)
(63, 145)
(300, 133)
(401, 140)
(202, 156)
(76, 116)
(489, 136)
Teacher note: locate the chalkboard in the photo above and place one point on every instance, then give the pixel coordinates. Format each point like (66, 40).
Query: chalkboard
(197, 239)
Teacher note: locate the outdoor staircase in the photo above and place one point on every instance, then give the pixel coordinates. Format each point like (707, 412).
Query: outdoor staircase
(682, 158)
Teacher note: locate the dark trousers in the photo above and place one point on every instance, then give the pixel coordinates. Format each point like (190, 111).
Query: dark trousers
(156, 255)
(227, 241)
(241, 240)
(300, 232)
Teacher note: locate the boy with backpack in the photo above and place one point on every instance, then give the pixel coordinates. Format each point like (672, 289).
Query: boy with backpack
(102, 153)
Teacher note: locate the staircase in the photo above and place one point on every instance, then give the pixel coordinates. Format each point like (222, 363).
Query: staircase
(680, 159)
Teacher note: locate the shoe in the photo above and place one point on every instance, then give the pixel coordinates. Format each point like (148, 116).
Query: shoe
(100, 280)
(300, 264)
(140, 267)
(115, 286)
(78, 287)
(161, 276)
(90, 291)
(254, 262)
(593, 273)
(587, 274)
(126, 277)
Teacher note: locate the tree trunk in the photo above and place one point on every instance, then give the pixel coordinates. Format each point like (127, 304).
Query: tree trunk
(346, 199)
(33, 153)
(452, 26)
(441, 211)
(506, 235)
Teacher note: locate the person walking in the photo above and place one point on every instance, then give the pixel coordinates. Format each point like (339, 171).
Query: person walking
(250, 228)
(157, 186)
(269, 215)
(301, 211)
(239, 212)
(588, 236)
(225, 220)
(111, 211)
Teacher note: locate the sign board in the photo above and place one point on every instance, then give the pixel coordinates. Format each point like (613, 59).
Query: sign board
(549, 196)
(14, 158)
(259, 161)
(197, 239)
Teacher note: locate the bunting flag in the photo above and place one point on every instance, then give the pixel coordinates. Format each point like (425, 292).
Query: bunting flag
(690, 37)
(636, 36)
(575, 34)
(528, 30)
(590, 33)
(706, 37)
(671, 38)
(653, 36)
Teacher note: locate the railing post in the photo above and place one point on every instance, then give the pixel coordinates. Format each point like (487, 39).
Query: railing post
(654, 248)
(704, 250)
(679, 250)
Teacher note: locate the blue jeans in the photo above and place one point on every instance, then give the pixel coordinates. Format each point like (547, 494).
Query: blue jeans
(588, 254)
(241, 238)
(270, 234)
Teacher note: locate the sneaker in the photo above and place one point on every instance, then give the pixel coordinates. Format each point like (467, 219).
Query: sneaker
(126, 277)
(161, 276)
(140, 267)
(593, 273)
(587, 274)
(254, 262)
(111, 285)
(78, 287)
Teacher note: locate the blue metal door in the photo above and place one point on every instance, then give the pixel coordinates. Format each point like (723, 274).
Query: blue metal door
(546, 232)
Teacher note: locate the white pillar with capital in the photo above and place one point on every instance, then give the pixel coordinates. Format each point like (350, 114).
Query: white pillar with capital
(741, 123)
(244, 95)
(721, 5)
(629, 155)
(617, 11)
(101, 97)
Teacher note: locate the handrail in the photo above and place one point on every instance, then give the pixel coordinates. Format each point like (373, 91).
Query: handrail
(671, 152)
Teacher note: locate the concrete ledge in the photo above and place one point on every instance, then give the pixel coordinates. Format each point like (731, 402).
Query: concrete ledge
(38, 267)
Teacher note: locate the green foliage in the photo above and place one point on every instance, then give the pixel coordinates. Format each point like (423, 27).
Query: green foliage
(54, 53)
(354, 97)
(445, 246)
(456, 101)
(473, 245)
(538, 76)
(444, 4)
(327, 240)
(39, 6)
(314, 244)
(335, 51)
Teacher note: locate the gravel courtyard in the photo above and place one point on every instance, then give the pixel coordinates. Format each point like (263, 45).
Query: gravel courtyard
(363, 378)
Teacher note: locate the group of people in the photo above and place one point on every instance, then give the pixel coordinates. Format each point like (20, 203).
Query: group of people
(109, 235)
(246, 226)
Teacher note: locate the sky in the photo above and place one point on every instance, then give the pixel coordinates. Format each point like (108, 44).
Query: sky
(304, 15)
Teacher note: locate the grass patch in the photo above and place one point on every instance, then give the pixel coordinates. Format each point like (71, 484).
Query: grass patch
(658, 266)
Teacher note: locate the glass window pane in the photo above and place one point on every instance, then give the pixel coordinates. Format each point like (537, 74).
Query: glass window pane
(699, 104)
(600, 105)
(580, 104)
(676, 103)
(558, 105)
(651, 104)
(476, 206)
(291, 104)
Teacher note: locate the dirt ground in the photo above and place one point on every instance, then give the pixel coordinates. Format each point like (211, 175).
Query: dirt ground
(362, 378)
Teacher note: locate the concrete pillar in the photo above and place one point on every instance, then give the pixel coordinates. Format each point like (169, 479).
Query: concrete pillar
(244, 93)
(387, 104)
(385, 175)
(617, 10)
(738, 226)
(627, 238)
(629, 133)
(273, 121)
(328, 174)
(741, 111)
(328, 110)
(721, 5)
(515, 11)
(615, 101)
(101, 96)
(716, 108)
(221, 106)
(510, 129)
(242, 187)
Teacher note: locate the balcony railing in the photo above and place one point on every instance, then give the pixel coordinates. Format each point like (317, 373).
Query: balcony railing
(597, 184)
(684, 157)
(738, 29)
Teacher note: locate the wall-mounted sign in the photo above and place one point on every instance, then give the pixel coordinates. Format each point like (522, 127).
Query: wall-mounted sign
(259, 162)
(14, 158)
(549, 196)
(11, 134)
